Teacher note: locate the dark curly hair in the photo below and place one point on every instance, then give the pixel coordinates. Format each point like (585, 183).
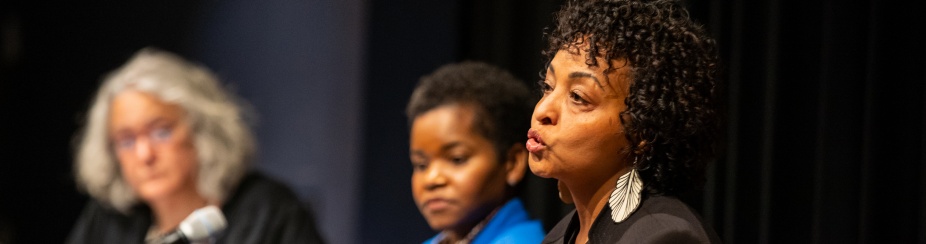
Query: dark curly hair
(502, 104)
(672, 116)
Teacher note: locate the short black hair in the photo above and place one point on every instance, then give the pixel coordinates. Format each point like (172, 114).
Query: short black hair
(673, 102)
(502, 104)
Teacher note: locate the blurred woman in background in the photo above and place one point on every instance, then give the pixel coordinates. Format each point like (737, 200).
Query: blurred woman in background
(468, 159)
(163, 139)
(627, 121)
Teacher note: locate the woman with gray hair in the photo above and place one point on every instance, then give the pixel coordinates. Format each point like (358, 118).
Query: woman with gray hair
(163, 139)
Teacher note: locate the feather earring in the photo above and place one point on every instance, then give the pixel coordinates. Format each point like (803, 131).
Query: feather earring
(626, 196)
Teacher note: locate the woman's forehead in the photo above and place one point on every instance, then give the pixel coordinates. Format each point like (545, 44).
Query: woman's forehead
(614, 75)
(135, 108)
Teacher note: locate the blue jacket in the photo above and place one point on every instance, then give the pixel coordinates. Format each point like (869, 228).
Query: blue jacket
(509, 225)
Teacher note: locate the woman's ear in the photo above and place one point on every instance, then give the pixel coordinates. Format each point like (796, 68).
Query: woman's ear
(515, 164)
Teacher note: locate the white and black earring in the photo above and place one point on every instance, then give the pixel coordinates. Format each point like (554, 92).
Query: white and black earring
(625, 199)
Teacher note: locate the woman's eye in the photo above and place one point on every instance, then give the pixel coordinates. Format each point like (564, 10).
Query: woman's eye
(419, 166)
(419, 163)
(576, 98)
(544, 87)
(458, 160)
(161, 134)
(125, 142)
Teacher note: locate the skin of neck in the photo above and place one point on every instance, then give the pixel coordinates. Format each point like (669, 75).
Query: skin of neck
(168, 212)
(590, 197)
(454, 235)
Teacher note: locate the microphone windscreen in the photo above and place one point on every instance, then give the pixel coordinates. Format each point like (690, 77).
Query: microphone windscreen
(203, 223)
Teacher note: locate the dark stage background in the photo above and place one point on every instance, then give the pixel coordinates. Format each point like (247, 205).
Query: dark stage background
(825, 127)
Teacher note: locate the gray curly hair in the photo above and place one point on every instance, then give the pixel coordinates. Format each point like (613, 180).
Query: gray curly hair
(223, 141)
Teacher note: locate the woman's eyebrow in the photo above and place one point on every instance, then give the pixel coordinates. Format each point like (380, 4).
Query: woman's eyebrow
(451, 145)
(156, 121)
(417, 153)
(580, 74)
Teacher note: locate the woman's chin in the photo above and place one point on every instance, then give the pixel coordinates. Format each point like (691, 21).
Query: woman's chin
(155, 192)
(439, 224)
(540, 168)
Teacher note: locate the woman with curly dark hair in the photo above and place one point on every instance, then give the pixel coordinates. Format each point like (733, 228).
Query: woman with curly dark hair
(627, 121)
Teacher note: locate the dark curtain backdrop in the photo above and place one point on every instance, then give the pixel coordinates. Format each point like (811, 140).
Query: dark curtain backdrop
(825, 101)
(825, 122)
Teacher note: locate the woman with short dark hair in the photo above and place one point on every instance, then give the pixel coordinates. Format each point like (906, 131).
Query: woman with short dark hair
(468, 157)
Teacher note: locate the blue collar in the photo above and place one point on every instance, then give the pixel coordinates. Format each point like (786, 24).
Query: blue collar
(508, 216)
(511, 214)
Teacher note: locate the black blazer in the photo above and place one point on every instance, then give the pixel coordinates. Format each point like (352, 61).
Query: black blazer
(260, 211)
(659, 219)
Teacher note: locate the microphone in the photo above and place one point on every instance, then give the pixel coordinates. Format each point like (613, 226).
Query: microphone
(202, 225)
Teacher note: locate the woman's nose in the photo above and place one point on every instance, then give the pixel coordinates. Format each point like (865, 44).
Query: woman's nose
(434, 177)
(546, 112)
(144, 151)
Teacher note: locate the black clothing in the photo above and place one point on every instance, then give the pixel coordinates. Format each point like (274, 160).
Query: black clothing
(260, 211)
(659, 219)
